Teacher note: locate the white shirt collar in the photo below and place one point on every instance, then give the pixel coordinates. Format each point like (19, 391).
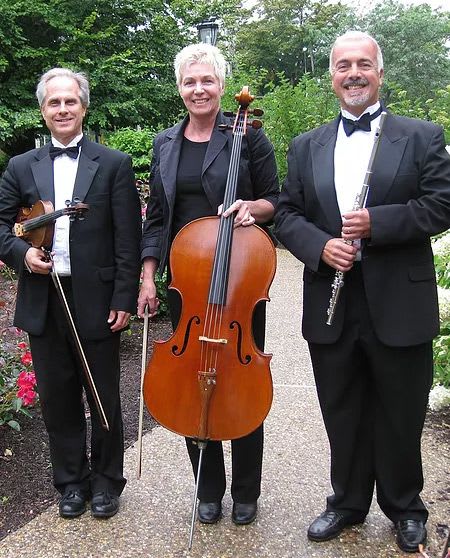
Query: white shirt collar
(370, 110)
(72, 143)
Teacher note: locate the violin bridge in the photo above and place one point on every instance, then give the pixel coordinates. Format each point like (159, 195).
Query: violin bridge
(210, 340)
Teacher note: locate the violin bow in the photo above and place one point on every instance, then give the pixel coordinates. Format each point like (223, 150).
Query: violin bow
(141, 393)
(84, 361)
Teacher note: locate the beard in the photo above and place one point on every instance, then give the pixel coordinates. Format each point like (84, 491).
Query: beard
(356, 97)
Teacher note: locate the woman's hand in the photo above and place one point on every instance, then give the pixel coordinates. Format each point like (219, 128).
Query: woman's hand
(243, 216)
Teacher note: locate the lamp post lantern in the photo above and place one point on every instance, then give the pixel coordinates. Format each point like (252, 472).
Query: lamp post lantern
(207, 31)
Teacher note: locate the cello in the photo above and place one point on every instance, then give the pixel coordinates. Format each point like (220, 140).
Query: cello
(209, 381)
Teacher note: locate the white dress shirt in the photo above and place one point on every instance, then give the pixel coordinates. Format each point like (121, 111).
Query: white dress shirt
(64, 172)
(351, 158)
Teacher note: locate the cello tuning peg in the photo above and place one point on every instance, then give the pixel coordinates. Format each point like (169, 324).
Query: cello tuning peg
(225, 127)
(256, 124)
(257, 112)
(67, 203)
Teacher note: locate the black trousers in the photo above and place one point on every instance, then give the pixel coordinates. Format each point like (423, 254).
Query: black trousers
(373, 399)
(246, 452)
(60, 381)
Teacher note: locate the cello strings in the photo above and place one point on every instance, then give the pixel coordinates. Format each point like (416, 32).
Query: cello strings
(213, 319)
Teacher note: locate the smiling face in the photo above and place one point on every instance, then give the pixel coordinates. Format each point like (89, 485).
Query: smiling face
(200, 90)
(356, 78)
(62, 109)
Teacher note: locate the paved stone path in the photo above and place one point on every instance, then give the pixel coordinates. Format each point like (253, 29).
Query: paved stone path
(154, 518)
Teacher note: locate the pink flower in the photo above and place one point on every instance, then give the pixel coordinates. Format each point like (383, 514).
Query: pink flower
(26, 382)
(26, 359)
(26, 379)
(28, 396)
(22, 345)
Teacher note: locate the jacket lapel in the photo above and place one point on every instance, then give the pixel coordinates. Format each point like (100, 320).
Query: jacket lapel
(390, 152)
(87, 169)
(322, 156)
(169, 156)
(42, 170)
(217, 142)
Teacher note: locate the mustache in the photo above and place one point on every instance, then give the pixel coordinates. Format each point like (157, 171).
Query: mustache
(358, 81)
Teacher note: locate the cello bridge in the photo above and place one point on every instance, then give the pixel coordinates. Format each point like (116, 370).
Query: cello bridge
(211, 340)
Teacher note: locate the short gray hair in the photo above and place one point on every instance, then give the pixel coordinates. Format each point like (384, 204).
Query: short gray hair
(202, 53)
(357, 36)
(79, 77)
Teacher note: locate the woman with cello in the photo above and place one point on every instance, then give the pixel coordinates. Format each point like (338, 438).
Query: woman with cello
(188, 177)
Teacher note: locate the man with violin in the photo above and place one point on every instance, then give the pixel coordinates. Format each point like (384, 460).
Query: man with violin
(371, 348)
(95, 266)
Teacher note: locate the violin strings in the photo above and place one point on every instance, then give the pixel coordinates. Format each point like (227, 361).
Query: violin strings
(36, 222)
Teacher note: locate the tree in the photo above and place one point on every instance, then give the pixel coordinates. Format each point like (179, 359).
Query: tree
(414, 42)
(291, 37)
(126, 47)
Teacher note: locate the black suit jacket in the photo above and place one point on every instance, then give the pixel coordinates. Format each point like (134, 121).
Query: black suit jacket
(257, 179)
(409, 201)
(104, 247)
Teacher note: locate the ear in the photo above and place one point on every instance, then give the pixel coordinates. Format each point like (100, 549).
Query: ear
(381, 76)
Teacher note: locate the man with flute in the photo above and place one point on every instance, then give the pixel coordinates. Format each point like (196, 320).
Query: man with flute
(373, 363)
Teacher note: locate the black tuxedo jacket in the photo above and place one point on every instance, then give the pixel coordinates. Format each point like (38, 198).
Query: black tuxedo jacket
(409, 201)
(258, 179)
(104, 247)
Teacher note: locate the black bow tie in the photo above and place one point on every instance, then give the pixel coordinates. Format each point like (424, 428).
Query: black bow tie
(362, 124)
(57, 151)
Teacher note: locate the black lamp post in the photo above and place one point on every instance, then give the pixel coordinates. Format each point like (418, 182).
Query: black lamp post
(207, 31)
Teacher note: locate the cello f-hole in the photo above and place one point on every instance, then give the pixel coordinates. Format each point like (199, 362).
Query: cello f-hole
(175, 351)
(247, 360)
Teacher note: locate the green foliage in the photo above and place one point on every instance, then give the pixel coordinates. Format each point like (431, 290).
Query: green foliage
(441, 356)
(126, 48)
(414, 44)
(441, 345)
(161, 293)
(138, 144)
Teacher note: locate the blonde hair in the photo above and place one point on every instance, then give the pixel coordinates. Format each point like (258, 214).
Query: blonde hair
(201, 53)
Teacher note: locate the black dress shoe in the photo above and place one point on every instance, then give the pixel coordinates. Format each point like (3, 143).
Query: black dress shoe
(410, 533)
(104, 504)
(72, 504)
(243, 514)
(329, 525)
(209, 512)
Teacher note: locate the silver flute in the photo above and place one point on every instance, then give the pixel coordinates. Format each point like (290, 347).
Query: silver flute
(360, 202)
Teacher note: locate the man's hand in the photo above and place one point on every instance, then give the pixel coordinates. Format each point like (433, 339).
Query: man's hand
(338, 254)
(356, 225)
(36, 261)
(147, 297)
(118, 319)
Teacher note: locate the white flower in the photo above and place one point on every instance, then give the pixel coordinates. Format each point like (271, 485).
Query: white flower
(444, 304)
(439, 398)
(441, 247)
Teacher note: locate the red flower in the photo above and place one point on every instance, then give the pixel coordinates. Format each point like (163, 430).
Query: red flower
(26, 379)
(26, 359)
(28, 396)
(22, 345)
(26, 382)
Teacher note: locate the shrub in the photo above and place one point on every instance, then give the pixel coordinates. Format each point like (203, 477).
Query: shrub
(441, 345)
(138, 144)
(17, 384)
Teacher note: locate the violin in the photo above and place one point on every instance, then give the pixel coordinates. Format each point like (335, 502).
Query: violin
(209, 380)
(36, 224)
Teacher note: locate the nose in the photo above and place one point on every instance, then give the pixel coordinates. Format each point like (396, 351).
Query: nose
(62, 107)
(354, 70)
(198, 87)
